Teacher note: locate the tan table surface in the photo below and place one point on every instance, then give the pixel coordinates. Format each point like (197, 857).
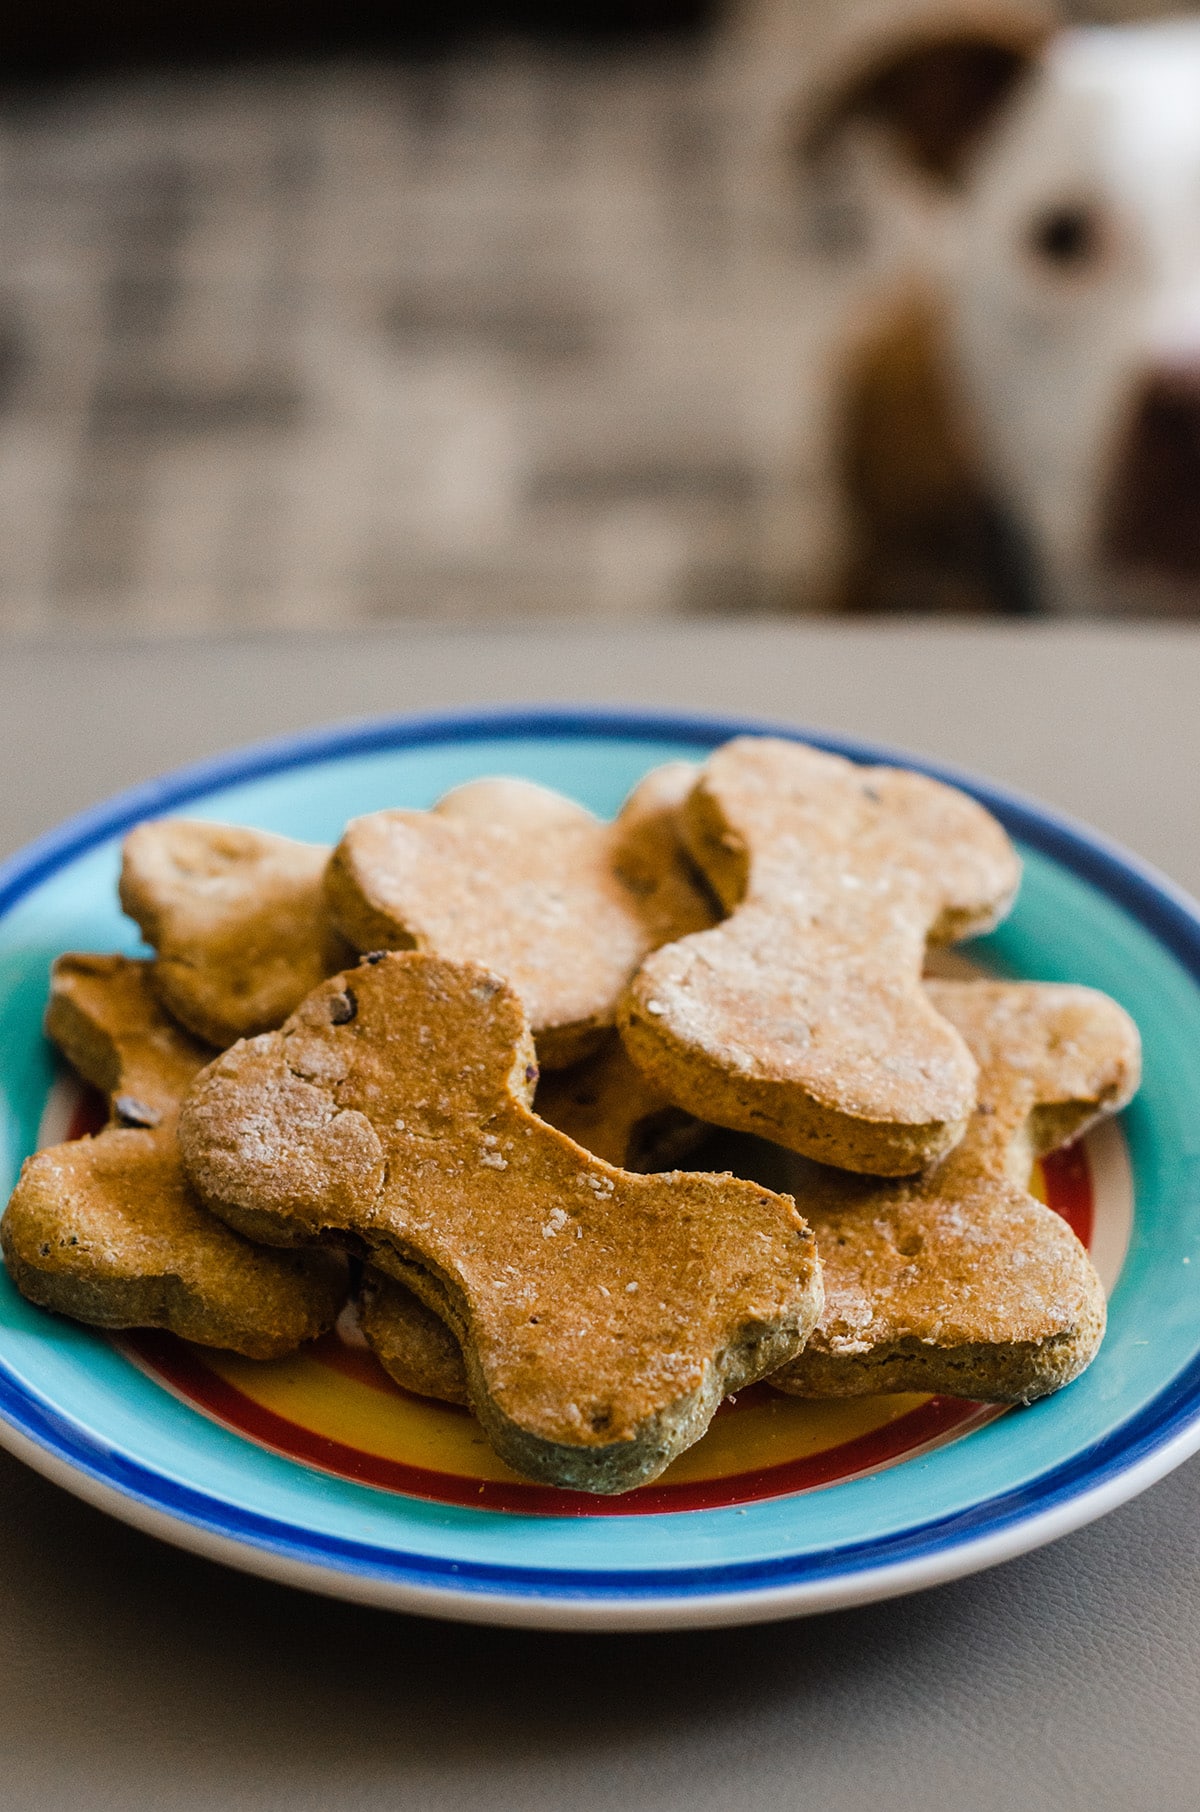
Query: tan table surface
(136, 1677)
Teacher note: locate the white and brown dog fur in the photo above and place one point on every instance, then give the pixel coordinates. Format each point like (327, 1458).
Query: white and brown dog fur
(997, 403)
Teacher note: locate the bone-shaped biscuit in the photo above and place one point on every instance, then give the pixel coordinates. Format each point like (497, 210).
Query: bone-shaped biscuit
(605, 1105)
(107, 1230)
(526, 882)
(802, 1017)
(602, 1315)
(237, 920)
(962, 1282)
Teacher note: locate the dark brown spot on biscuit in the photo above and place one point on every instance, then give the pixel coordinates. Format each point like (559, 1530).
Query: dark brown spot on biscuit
(640, 885)
(343, 1008)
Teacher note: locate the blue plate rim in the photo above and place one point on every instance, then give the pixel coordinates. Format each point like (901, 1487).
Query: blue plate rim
(1162, 1433)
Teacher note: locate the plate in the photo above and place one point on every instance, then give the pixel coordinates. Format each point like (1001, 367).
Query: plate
(318, 1472)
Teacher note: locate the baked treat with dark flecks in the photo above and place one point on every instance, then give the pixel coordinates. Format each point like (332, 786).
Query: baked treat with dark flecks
(602, 1315)
(531, 885)
(961, 1282)
(236, 918)
(606, 1106)
(107, 1229)
(801, 1017)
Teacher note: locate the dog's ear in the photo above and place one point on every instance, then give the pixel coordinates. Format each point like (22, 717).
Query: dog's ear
(935, 93)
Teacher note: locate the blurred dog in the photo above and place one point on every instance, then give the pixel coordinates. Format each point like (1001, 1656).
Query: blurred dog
(1011, 399)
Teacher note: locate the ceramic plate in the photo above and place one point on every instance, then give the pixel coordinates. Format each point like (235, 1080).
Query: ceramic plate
(318, 1471)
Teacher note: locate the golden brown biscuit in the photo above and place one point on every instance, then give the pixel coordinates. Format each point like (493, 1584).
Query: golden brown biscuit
(106, 1229)
(802, 1016)
(526, 882)
(606, 1106)
(237, 920)
(413, 1345)
(106, 1019)
(962, 1282)
(602, 1315)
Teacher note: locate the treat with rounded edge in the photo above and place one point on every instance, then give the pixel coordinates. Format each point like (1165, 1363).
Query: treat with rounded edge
(802, 1017)
(413, 1345)
(237, 920)
(526, 882)
(962, 1282)
(107, 1230)
(602, 1315)
(606, 1106)
(106, 1019)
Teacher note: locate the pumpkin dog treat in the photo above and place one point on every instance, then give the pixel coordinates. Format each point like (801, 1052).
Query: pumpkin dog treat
(602, 1315)
(962, 1282)
(413, 1345)
(237, 920)
(526, 882)
(105, 1018)
(107, 1230)
(802, 1016)
(606, 1106)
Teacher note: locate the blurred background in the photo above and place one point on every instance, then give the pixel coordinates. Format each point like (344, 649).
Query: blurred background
(447, 316)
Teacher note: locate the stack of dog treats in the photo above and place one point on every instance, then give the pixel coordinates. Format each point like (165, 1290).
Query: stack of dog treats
(464, 1046)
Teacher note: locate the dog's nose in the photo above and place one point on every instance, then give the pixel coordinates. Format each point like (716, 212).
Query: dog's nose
(1152, 516)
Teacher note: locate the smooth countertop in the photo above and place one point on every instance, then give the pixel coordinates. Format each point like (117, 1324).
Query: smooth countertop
(136, 1677)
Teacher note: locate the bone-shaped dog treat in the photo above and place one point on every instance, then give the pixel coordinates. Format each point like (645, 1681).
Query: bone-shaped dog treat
(802, 1017)
(605, 1105)
(237, 919)
(524, 881)
(108, 1231)
(602, 1315)
(962, 1282)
